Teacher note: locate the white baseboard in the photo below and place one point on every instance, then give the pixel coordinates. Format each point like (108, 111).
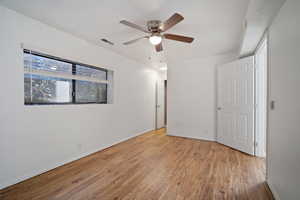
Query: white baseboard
(273, 190)
(41, 171)
(191, 137)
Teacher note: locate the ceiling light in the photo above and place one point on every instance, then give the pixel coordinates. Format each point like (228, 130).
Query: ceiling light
(155, 39)
(163, 68)
(53, 67)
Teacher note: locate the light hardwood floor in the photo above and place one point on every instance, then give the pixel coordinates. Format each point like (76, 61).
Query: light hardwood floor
(152, 166)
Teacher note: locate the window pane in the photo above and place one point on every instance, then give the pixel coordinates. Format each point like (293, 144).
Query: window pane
(46, 64)
(27, 88)
(90, 92)
(43, 89)
(90, 72)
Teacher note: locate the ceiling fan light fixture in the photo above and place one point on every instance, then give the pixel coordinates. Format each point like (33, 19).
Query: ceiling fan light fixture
(163, 68)
(155, 39)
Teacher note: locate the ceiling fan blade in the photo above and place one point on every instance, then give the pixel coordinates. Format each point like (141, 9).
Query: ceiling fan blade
(135, 40)
(178, 38)
(172, 21)
(135, 26)
(158, 47)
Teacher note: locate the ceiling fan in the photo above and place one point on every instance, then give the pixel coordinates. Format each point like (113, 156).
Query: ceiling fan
(155, 28)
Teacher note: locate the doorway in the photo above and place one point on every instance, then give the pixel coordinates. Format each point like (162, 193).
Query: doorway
(261, 84)
(166, 103)
(242, 103)
(161, 104)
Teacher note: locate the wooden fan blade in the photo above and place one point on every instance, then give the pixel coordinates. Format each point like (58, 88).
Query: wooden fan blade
(172, 21)
(178, 38)
(135, 26)
(158, 47)
(135, 40)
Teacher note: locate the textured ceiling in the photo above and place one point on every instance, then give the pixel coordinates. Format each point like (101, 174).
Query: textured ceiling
(216, 25)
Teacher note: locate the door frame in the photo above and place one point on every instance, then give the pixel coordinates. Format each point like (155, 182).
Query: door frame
(264, 40)
(166, 101)
(156, 103)
(266, 37)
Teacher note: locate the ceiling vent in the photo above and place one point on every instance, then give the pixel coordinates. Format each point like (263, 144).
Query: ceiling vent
(107, 41)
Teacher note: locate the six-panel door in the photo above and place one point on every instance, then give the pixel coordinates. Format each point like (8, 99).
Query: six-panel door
(236, 105)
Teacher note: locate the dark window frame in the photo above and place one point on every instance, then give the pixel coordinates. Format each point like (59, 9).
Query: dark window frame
(74, 64)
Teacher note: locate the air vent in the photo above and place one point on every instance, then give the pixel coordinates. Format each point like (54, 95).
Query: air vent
(107, 41)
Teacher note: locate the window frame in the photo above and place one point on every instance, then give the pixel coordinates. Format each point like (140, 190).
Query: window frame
(74, 64)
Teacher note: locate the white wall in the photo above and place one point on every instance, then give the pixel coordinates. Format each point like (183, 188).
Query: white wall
(260, 14)
(34, 139)
(283, 153)
(192, 97)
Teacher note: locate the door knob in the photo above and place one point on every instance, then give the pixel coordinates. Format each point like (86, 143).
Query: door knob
(272, 105)
(219, 108)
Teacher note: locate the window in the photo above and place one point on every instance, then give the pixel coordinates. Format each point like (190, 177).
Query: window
(52, 80)
(44, 89)
(87, 91)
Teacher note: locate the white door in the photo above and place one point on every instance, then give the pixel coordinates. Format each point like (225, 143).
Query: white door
(160, 104)
(236, 105)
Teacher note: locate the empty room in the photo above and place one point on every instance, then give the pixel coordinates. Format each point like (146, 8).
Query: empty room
(149, 100)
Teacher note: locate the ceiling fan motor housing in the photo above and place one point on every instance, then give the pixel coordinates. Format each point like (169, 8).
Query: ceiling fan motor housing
(154, 26)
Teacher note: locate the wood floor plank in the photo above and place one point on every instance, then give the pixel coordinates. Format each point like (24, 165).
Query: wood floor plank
(151, 166)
